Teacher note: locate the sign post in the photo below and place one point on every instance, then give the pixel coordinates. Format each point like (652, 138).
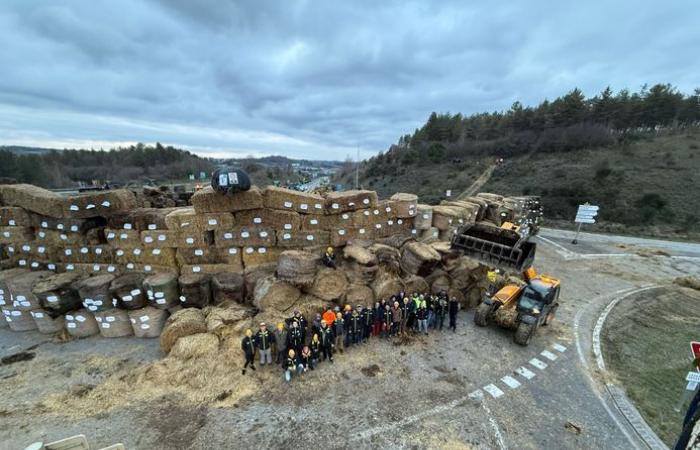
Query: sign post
(586, 214)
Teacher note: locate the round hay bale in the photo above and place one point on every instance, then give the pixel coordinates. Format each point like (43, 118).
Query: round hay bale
(185, 322)
(414, 283)
(252, 277)
(404, 204)
(388, 257)
(114, 323)
(147, 322)
(18, 320)
(445, 217)
(127, 290)
(162, 290)
(195, 290)
(195, 346)
(81, 323)
(360, 255)
(424, 217)
(440, 284)
(359, 274)
(310, 305)
(297, 267)
(281, 296)
(47, 322)
(58, 293)
(386, 285)
(217, 317)
(227, 287)
(330, 285)
(94, 292)
(396, 240)
(419, 259)
(359, 294)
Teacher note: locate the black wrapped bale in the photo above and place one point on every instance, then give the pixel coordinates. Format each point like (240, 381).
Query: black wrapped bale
(195, 290)
(228, 286)
(94, 292)
(128, 292)
(162, 290)
(58, 294)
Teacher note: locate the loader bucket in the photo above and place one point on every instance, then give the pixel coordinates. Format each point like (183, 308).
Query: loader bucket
(494, 246)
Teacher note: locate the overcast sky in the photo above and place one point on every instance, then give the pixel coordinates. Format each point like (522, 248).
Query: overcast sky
(314, 79)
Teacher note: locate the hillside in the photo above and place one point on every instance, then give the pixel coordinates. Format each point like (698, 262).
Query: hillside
(634, 154)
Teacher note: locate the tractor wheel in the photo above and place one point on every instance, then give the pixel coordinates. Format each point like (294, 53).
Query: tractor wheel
(550, 316)
(523, 334)
(482, 314)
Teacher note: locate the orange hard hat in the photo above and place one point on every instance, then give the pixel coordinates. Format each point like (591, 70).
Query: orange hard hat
(329, 317)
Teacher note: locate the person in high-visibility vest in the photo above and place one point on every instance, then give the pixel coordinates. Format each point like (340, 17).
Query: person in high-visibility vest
(492, 276)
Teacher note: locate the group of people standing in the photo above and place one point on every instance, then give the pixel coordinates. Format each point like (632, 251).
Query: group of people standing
(299, 347)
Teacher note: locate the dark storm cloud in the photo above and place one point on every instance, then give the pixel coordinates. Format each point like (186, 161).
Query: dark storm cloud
(313, 79)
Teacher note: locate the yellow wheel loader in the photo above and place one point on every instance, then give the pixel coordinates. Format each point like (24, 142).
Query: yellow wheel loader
(522, 308)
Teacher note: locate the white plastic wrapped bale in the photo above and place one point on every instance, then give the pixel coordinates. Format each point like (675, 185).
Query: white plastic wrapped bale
(18, 320)
(114, 323)
(147, 322)
(424, 217)
(81, 323)
(47, 322)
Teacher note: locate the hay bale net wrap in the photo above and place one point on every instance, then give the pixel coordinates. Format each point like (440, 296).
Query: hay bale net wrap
(114, 323)
(207, 200)
(419, 259)
(330, 285)
(289, 200)
(162, 290)
(276, 295)
(228, 287)
(81, 323)
(340, 202)
(147, 322)
(182, 323)
(297, 267)
(127, 291)
(195, 290)
(46, 322)
(58, 294)
(18, 320)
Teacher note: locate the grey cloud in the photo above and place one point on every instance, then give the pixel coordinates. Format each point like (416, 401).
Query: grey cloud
(312, 78)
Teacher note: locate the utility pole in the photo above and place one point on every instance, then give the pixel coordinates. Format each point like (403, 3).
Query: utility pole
(357, 169)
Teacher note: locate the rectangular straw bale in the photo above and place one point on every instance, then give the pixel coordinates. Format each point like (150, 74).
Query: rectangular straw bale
(202, 255)
(296, 239)
(83, 254)
(209, 201)
(269, 218)
(187, 220)
(60, 238)
(159, 238)
(33, 198)
(340, 202)
(191, 238)
(123, 238)
(14, 216)
(31, 250)
(290, 200)
(139, 255)
(327, 222)
(211, 268)
(257, 256)
(64, 225)
(147, 268)
(245, 237)
(140, 219)
(88, 269)
(341, 236)
(100, 204)
(445, 216)
(14, 235)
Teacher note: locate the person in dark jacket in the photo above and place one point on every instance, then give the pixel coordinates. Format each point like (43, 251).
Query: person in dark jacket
(292, 365)
(339, 332)
(353, 328)
(405, 307)
(329, 258)
(308, 356)
(387, 319)
(412, 323)
(295, 339)
(280, 342)
(264, 340)
(316, 325)
(367, 322)
(248, 347)
(453, 307)
(440, 310)
(422, 318)
(396, 319)
(301, 321)
(326, 341)
(376, 320)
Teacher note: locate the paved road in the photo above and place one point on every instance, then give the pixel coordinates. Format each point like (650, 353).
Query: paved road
(447, 390)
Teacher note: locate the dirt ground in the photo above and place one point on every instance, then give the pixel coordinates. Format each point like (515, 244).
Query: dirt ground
(646, 344)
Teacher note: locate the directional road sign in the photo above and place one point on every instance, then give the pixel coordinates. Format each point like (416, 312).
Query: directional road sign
(586, 213)
(588, 208)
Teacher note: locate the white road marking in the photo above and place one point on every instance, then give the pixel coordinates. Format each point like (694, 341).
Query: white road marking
(560, 348)
(476, 395)
(511, 382)
(493, 390)
(539, 364)
(525, 372)
(500, 442)
(560, 249)
(549, 355)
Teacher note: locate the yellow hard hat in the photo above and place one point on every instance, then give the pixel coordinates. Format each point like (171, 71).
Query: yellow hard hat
(329, 250)
(280, 326)
(248, 332)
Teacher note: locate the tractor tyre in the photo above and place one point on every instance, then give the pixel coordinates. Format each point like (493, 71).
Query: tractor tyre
(524, 332)
(550, 315)
(482, 315)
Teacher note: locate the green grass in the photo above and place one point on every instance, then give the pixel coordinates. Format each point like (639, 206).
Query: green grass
(646, 344)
